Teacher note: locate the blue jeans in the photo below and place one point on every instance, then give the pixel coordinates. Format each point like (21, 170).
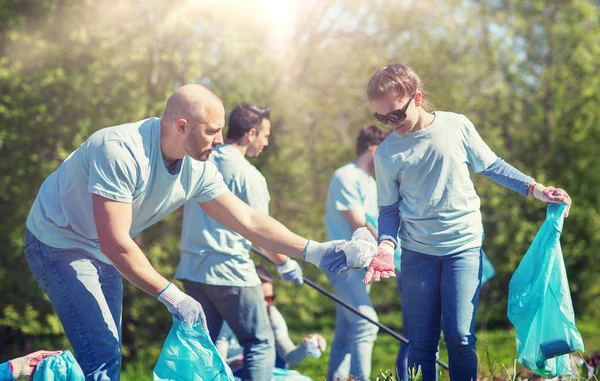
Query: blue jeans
(87, 296)
(354, 336)
(243, 308)
(442, 292)
(402, 359)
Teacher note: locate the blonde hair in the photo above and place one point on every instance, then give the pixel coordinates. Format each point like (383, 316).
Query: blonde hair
(399, 79)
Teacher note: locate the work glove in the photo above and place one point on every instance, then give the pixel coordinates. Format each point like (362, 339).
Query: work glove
(290, 270)
(24, 367)
(382, 264)
(337, 256)
(551, 195)
(182, 306)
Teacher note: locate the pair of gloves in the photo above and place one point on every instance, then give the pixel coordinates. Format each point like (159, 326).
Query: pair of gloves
(332, 256)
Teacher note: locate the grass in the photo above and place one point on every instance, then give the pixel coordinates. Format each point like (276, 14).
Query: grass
(496, 349)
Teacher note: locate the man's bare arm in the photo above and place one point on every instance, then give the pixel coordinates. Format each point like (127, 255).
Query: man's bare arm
(113, 222)
(255, 226)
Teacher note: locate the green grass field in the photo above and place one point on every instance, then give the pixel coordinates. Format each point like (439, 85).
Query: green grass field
(497, 353)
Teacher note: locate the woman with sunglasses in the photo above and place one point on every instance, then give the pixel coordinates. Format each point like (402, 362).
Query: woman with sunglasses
(288, 354)
(425, 194)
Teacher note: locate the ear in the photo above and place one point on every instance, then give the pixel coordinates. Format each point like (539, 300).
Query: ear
(252, 133)
(181, 125)
(418, 98)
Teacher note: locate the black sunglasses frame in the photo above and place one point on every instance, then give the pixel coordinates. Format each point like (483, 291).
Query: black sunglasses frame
(395, 116)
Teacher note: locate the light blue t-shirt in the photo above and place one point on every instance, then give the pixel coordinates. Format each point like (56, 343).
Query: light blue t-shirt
(428, 170)
(217, 255)
(122, 163)
(350, 188)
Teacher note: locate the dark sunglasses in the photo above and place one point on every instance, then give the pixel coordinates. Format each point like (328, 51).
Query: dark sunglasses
(395, 116)
(269, 298)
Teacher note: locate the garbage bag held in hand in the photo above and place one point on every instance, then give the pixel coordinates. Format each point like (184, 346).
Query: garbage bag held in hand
(189, 355)
(539, 303)
(61, 367)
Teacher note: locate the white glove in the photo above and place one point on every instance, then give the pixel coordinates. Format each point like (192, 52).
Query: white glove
(183, 306)
(290, 270)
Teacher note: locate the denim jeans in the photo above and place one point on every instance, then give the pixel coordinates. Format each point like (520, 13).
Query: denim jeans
(354, 336)
(87, 296)
(402, 359)
(442, 292)
(243, 308)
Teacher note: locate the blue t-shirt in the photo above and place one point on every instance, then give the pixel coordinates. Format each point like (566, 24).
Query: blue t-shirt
(122, 163)
(217, 255)
(350, 188)
(428, 171)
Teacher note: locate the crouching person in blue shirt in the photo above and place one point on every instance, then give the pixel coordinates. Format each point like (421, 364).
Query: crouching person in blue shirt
(79, 238)
(287, 353)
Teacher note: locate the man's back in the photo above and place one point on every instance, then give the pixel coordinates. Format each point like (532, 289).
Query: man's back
(217, 255)
(122, 163)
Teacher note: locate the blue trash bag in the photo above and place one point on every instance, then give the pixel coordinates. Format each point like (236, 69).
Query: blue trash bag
(189, 355)
(61, 367)
(539, 303)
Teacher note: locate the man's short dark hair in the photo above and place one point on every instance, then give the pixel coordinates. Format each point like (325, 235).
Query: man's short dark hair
(264, 275)
(244, 117)
(369, 136)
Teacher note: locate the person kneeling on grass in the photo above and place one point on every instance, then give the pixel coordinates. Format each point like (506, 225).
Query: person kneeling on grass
(288, 354)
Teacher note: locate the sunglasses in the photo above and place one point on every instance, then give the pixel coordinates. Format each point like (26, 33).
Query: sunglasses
(395, 116)
(269, 298)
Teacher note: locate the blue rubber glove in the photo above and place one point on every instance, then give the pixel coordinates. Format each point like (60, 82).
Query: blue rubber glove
(290, 270)
(182, 306)
(324, 256)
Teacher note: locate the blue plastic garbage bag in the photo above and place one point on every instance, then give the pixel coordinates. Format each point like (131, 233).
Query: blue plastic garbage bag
(61, 367)
(539, 303)
(189, 355)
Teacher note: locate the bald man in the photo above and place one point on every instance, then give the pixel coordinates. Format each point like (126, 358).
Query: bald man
(79, 238)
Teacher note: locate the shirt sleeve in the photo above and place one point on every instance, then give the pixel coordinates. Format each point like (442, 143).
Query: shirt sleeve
(508, 176)
(113, 172)
(211, 184)
(389, 223)
(257, 194)
(346, 195)
(479, 155)
(284, 346)
(388, 187)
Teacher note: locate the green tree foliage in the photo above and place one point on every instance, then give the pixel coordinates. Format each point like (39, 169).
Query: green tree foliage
(525, 72)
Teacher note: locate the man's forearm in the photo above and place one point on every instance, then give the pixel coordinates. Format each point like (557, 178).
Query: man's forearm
(131, 262)
(278, 259)
(272, 235)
